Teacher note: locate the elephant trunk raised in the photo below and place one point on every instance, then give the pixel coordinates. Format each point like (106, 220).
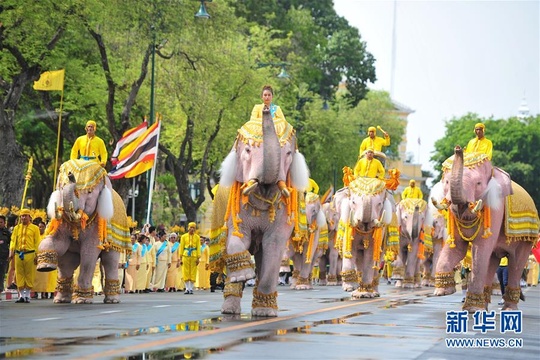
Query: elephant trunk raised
(456, 178)
(271, 150)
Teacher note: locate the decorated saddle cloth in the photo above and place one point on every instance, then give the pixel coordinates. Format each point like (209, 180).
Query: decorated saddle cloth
(251, 131)
(367, 186)
(521, 216)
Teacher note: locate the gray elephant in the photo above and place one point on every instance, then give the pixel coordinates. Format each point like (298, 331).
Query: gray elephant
(411, 214)
(305, 250)
(365, 212)
(257, 198)
(89, 221)
(497, 216)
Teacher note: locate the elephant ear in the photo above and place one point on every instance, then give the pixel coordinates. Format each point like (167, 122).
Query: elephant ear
(54, 201)
(228, 169)
(105, 206)
(299, 172)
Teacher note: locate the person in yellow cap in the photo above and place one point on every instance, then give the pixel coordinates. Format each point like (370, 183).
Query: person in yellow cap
(190, 247)
(412, 191)
(374, 142)
(480, 143)
(368, 166)
(90, 146)
(24, 243)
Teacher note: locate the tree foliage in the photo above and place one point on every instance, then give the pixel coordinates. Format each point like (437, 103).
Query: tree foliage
(515, 146)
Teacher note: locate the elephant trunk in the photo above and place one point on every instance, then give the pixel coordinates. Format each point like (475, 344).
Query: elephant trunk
(271, 150)
(415, 226)
(456, 178)
(366, 210)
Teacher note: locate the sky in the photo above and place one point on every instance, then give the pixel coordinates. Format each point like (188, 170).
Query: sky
(451, 58)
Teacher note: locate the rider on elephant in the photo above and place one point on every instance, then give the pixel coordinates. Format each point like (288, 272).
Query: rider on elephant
(90, 146)
(480, 143)
(368, 166)
(412, 192)
(373, 141)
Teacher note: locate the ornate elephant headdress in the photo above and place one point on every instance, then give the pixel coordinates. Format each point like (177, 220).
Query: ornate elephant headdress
(251, 131)
(367, 186)
(87, 174)
(470, 160)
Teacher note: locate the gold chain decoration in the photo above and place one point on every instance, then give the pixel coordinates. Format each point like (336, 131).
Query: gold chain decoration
(359, 276)
(86, 293)
(408, 280)
(64, 285)
(365, 287)
(272, 202)
(445, 280)
(474, 300)
(477, 222)
(239, 261)
(261, 300)
(232, 289)
(112, 287)
(511, 295)
(349, 276)
(47, 257)
(375, 281)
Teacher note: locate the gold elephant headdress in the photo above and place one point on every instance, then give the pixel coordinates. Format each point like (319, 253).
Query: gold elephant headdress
(470, 160)
(251, 131)
(367, 186)
(87, 174)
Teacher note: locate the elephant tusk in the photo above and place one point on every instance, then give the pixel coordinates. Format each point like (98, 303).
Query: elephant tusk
(283, 187)
(249, 186)
(438, 206)
(478, 206)
(379, 222)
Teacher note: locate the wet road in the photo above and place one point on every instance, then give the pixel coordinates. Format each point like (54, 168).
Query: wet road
(320, 323)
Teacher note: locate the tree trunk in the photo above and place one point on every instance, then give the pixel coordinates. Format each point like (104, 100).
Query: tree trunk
(12, 163)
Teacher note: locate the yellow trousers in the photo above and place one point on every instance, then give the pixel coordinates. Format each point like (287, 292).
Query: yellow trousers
(25, 271)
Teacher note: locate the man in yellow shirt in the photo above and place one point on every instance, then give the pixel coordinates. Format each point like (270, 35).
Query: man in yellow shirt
(412, 192)
(480, 143)
(374, 142)
(90, 146)
(190, 247)
(24, 243)
(369, 167)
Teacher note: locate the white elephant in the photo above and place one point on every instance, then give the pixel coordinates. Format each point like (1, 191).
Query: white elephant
(305, 250)
(365, 211)
(330, 258)
(89, 221)
(257, 199)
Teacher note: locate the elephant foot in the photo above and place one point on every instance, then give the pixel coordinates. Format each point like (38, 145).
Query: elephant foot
(399, 283)
(510, 306)
(323, 282)
(332, 283)
(348, 287)
(303, 287)
(474, 302)
(264, 312)
(231, 305)
(81, 300)
(417, 286)
(111, 300)
(444, 291)
(357, 294)
(62, 299)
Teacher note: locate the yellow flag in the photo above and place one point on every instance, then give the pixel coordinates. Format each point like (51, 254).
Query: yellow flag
(50, 80)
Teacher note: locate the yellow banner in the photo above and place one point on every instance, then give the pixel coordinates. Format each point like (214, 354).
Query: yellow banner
(50, 80)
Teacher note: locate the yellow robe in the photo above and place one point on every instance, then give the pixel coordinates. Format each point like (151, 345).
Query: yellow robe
(203, 274)
(93, 147)
(483, 146)
(412, 193)
(369, 168)
(142, 273)
(376, 144)
(190, 246)
(23, 239)
(131, 271)
(172, 271)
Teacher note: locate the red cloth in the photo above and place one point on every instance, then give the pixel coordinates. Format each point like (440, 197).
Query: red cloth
(536, 252)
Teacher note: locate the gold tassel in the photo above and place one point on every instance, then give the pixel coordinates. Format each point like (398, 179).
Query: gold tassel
(450, 227)
(487, 223)
(312, 230)
(377, 243)
(348, 242)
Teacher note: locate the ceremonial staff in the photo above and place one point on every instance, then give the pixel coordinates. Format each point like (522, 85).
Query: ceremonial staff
(27, 179)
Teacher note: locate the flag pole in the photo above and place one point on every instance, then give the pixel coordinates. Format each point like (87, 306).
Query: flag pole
(152, 176)
(58, 138)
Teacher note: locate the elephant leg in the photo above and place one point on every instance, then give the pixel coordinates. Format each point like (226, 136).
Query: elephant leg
(304, 279)
(411, 261)
(238, 259)
(365, 286)
(516, 263)
(348, 275)
(64, 283)
(492, 269)
(297, 265)
(109, 261)
(232, 294)
(333, 258)
(84, 292)
(51, 248)
(323, 262)
(265, 292)
(444, 273)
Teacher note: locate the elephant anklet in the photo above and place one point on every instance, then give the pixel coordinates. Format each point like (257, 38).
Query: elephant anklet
(511, 295)
(64, 285)
(445, 280)
(87, 293)
(48, 257)
(239, 261)
(261, 300)
(349, 276)
(474, 301)
(232, 289)
(112, 287)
